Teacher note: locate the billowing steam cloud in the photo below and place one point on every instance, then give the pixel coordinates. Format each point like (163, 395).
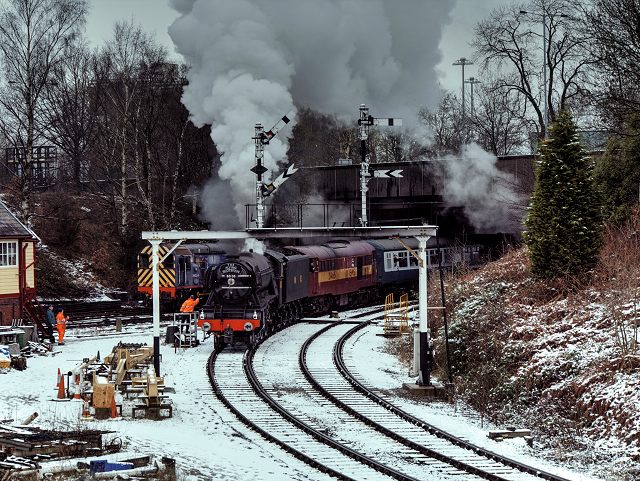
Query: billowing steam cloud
(255, 60)
(488, 195)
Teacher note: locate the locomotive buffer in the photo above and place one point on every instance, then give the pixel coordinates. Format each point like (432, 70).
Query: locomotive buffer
(420, 232)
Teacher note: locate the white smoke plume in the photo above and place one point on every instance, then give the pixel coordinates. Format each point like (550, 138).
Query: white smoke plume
(255, 60)
(487, 194)
(318, 212)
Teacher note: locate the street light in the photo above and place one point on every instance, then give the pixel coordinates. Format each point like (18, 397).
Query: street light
(472, 81)
(462, 62)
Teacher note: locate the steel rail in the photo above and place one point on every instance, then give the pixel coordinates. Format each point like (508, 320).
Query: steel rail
(250, 424)
(302, 357)
(431, 429)
(323, 438)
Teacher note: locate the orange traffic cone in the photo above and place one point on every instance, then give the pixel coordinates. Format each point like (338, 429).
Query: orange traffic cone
(59, 376)
(76, 391)
(61, 393)
(114, 409)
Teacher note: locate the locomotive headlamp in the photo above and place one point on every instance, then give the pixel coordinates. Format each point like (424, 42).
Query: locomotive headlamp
(231, 281)
(255, 315)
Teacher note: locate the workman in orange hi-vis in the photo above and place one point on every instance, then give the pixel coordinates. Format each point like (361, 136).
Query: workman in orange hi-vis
(61, 326)
(189, 304)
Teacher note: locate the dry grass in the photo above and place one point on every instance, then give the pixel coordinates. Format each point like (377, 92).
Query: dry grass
(558, 356)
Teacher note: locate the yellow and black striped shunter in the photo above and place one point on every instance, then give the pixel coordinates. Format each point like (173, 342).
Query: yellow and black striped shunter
(182, 271)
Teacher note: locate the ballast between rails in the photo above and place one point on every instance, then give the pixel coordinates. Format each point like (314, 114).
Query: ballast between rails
(319, 436)
(247, 422)
(387, 432)
(255, 382)
(342, 368)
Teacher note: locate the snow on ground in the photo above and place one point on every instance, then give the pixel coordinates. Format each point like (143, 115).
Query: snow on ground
(207, 441)
(80, 270)
(389, 374)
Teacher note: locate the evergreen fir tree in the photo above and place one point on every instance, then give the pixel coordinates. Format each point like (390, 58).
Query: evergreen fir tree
(563, 224)
(617, 173)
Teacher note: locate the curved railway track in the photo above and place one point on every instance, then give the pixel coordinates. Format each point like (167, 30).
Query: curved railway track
(316, 409)
(322, 362)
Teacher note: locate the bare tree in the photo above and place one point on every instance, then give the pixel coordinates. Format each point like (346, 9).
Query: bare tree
(34, 35)
(449, 128)
(510, 42)
(614, 26)
(146, 153)
(120, 70)
(69, 111)
(499, 120)
(316, 139)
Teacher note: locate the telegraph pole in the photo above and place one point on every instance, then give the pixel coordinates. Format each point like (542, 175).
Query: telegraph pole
(463, 62)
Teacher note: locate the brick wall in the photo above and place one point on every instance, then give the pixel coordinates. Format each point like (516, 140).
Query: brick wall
(9, 310)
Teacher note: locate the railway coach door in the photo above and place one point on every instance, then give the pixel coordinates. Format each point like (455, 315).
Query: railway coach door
(359, 267)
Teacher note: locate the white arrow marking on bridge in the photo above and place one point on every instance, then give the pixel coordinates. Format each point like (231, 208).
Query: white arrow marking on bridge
(388, 174)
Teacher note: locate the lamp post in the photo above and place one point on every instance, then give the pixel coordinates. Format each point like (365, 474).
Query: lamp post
(462, 62)
(472, 81)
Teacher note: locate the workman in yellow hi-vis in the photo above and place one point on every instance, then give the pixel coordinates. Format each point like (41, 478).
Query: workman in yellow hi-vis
(189, 304)
(61, 325)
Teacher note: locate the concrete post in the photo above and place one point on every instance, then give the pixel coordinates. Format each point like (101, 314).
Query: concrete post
(425, 348)
(155, 295)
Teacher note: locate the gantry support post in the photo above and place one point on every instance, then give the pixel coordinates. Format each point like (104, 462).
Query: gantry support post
(155, 296)
(425, 342)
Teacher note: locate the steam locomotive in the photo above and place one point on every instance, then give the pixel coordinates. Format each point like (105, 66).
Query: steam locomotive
(253, 293)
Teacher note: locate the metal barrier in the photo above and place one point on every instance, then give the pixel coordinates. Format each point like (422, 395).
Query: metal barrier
(396, 321)
(185, 329)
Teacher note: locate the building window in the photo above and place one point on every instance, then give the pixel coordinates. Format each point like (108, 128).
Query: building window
(8, 254)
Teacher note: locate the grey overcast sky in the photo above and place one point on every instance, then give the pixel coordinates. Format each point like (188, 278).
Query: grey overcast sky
(155, 16)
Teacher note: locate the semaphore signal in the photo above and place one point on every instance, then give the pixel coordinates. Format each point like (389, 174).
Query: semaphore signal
(365, 122)
(261, 139)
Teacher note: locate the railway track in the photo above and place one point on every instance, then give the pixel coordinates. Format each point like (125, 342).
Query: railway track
(315, 408)
(322, 362)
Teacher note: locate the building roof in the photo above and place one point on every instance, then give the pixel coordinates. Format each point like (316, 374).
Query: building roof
(10, 226)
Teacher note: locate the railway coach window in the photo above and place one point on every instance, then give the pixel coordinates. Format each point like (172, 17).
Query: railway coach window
(8, 254)
(402, 260)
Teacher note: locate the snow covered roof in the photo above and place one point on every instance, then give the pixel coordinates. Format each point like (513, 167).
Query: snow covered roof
(10, 226)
